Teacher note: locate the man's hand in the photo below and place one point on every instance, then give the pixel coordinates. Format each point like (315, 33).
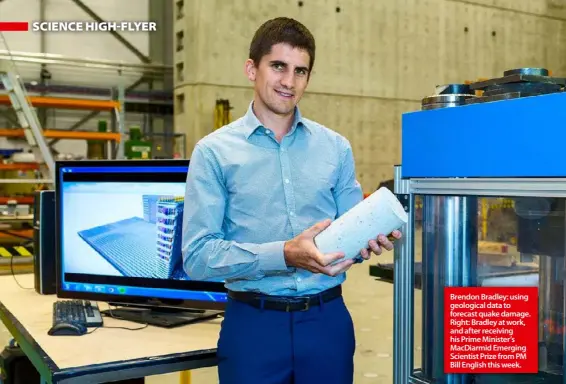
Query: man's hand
(376, 246)
(301, 252)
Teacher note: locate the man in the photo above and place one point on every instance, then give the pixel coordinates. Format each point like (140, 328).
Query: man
(258, 191)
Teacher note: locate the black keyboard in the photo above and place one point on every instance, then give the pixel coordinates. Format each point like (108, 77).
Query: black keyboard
(79, 312)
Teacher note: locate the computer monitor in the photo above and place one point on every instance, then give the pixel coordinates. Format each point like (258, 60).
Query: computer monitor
(119, 233)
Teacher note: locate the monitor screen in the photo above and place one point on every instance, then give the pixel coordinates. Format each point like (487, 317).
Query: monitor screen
(119, 229)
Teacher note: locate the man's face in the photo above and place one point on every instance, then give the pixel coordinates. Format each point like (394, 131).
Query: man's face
(280, 78)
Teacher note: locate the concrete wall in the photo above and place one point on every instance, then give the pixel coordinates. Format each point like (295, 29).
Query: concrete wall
(375, 60)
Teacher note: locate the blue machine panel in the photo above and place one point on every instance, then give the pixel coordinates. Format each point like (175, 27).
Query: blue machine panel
(523, 137)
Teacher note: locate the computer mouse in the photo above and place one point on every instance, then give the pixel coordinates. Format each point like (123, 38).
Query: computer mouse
(67, 329)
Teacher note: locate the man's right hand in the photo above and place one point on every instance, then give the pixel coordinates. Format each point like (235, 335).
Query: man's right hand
(301, 252)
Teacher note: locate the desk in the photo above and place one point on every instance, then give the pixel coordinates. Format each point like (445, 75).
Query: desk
(106, 354)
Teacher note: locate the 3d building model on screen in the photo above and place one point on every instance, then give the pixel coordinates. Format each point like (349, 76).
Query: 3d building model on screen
(150, 207)
(169, 236)
(144, 247)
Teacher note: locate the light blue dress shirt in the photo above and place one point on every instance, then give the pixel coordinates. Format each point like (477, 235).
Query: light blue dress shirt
(246, 194)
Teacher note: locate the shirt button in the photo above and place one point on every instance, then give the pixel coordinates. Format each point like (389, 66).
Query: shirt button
(282, 149)
(292, 213)
(286, 181)
(298, 279)
(267, 131)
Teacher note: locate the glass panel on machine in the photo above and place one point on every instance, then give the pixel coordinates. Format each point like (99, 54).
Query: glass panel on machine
(418, 298)
(476, 241)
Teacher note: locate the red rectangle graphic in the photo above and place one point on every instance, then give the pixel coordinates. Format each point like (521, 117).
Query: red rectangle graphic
(14, 26)
(491, 330)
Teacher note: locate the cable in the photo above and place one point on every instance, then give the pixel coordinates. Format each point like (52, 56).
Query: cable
(14, 274)
(12, 268)
(118, 318)
(126, 328)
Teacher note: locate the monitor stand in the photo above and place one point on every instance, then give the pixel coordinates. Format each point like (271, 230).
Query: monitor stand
(161, 317)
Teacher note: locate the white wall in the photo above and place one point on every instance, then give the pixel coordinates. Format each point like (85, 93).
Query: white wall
(93, 45)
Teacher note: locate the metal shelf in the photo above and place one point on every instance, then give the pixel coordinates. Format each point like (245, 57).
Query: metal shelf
(119, 100)
(19, 167)
(16, 233)
(100, 64)
(64, 134)
(19, 199)
(67, 103)
(26, 181)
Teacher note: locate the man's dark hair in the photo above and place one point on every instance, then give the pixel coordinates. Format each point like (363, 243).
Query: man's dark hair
(281, 30)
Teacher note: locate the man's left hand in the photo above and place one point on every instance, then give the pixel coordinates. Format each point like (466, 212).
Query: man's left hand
(376, 246)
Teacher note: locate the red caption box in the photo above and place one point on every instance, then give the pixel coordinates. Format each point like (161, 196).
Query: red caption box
(491, 330)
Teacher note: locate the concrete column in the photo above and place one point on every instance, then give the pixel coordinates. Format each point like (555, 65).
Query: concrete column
(160, 128)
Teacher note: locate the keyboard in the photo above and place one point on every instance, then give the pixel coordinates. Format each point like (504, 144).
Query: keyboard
(80, 312)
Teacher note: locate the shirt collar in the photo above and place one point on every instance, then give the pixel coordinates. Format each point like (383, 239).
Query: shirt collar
(252, 123)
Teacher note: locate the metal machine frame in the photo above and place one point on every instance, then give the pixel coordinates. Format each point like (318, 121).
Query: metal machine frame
(407, 189)
(459, 148)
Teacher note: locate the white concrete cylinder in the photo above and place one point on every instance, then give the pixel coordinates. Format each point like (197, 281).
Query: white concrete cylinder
(378, 214)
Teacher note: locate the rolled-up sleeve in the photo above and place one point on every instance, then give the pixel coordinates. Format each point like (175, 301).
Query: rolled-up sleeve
(207, 255)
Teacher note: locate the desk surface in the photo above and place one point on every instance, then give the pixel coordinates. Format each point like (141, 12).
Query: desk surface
(28, 316)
